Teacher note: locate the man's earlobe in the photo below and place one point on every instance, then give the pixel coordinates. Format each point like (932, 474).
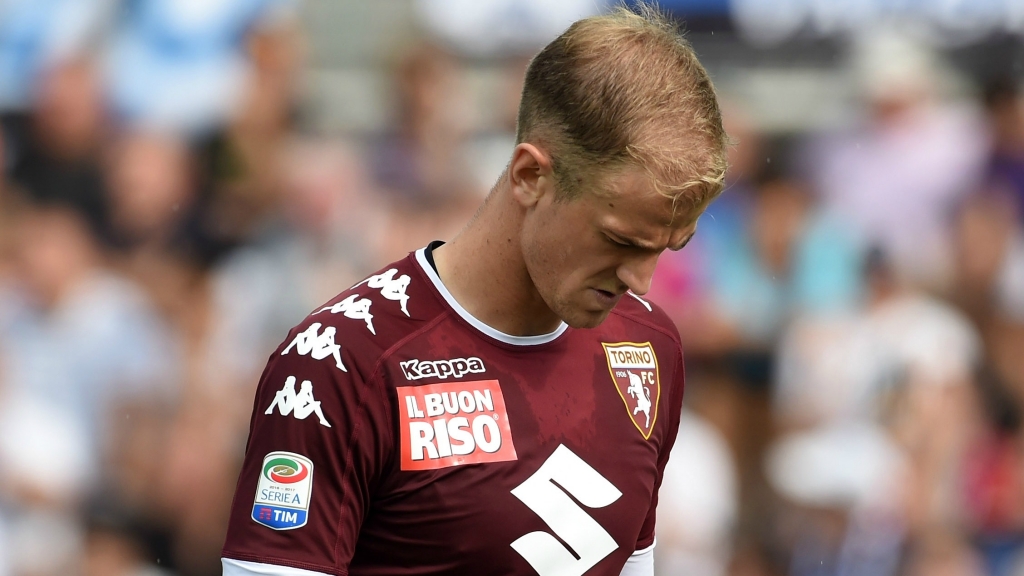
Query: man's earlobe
(529, 174)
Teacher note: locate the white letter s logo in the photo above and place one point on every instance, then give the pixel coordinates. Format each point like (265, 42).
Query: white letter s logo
(545, 492)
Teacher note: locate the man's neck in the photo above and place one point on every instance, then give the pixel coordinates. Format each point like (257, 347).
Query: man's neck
(483, 268)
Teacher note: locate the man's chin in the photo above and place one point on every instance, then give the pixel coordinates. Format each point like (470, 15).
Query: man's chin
(585, 318)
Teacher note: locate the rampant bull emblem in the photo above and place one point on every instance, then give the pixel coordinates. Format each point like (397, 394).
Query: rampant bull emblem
(643, 397)
(634, 369)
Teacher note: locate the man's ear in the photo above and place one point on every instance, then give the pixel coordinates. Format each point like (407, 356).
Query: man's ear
(530, 174)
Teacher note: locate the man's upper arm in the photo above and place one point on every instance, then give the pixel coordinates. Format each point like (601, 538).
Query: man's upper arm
(319, 435)
(674, 410)
(640, 563)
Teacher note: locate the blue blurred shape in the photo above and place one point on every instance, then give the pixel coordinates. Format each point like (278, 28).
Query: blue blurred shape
(685, 8)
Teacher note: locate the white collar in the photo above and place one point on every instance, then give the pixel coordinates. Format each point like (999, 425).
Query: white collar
(421, 258)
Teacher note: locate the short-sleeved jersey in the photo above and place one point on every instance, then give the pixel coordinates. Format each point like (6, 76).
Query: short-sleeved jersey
(393, 433)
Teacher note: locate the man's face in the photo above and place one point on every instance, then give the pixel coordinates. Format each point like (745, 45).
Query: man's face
(583, 254)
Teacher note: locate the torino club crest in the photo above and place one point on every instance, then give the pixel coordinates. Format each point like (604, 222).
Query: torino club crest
(634, 369)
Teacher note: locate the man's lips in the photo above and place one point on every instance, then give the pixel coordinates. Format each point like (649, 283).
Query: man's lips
(605, 297)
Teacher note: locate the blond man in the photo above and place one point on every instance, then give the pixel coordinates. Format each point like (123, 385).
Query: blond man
(491, 423)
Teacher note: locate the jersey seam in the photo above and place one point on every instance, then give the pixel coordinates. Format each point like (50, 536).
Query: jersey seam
(651, 325)
(243, 556)
(377, 382)
(376, 374)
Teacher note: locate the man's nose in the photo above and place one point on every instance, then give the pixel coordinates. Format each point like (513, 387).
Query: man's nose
(636, 273)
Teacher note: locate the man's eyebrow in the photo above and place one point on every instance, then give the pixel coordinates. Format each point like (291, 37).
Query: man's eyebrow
(632, 242)
(644, 245)
(683, 243)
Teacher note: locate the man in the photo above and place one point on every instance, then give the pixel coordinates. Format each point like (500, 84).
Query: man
(485, 416)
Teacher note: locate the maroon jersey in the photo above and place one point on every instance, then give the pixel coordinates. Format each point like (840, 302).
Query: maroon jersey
(394, 433)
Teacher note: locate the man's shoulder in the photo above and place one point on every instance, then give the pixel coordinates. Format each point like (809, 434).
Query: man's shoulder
(370, 317)
(644, 314)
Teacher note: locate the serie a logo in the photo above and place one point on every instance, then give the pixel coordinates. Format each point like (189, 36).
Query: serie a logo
(283, 491)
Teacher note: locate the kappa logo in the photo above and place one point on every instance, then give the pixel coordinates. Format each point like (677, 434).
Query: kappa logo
(319, 346)
(353, 307)
(300, 404)
(284, 491)
(456, 368)
(390, 287)
(634, 369)
(453, 424)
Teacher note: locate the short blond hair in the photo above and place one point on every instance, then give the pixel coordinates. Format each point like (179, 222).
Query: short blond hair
(623, 88)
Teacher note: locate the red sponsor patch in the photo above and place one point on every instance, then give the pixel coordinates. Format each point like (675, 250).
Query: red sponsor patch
(634, 369)
(453, 424)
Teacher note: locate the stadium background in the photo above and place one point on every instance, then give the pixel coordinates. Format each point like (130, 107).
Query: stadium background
(184, 179)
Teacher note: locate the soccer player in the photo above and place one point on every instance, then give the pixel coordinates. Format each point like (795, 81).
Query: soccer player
(504, 403)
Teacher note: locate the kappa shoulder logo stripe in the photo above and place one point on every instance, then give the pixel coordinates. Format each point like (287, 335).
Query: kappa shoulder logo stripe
(456, 368)
(634, 370)
(357, 308)
(317, 345)
(390, 287)
(353, 307)
(298, 404)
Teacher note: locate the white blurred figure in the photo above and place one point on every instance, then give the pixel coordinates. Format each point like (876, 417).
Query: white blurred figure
(877, 413)
(697, 504)
(79, 347)
(897, 176)
(845, 485)
(502, 26)
(846, 368)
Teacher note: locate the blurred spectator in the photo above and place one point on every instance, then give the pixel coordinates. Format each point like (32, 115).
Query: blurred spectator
(489, 150)
(898, 175)
(774, 256)
(181, 66)
(944, 552)
(992, 476)
(697, 503)
(324, 240)
(59, 157)
(848, 367)
(242, 162)
(419, 163)
(989, 244)
(38, 35)
(842, 489)
(152, 179)
(159, 236)
(906, 365)
(80, 347)
(1006, 118)
(113, 546)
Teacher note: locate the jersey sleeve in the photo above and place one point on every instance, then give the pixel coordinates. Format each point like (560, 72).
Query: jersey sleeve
(674, 411)
(319, 438)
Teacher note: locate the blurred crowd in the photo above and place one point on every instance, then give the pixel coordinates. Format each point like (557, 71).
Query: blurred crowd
(852, 307)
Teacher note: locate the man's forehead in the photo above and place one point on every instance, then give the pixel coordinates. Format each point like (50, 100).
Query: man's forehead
(635, 190)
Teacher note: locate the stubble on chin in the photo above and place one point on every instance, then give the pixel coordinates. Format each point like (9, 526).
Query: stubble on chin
(577, 317)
